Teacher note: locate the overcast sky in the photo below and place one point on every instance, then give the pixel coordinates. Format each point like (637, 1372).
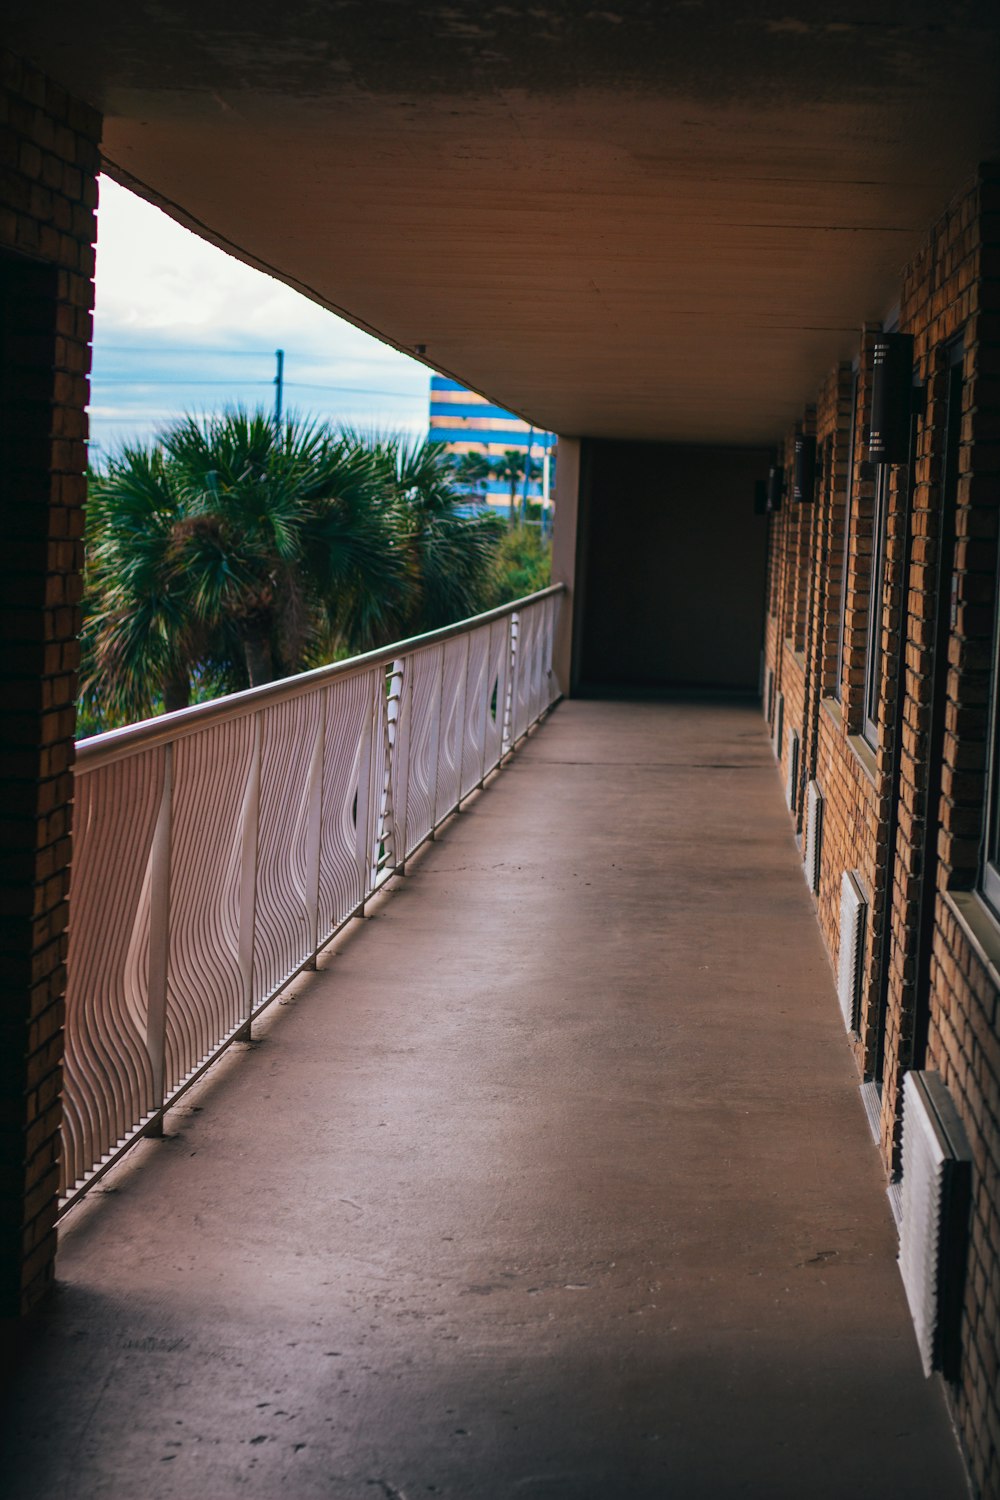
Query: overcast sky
(180, 326)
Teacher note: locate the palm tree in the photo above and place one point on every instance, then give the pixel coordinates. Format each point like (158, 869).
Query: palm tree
(141, 632)
(451, 555)
(472, 470)
(513, 466)
(296, 528)
(237, 549)
(230, 552)
(355, 547)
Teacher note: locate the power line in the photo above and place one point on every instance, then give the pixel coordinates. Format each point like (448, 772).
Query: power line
(304, 385)
(354, 390)
(178, 349)
(100, 348)
(142, 384)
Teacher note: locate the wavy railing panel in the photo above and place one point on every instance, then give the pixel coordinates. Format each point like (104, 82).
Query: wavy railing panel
(497, 675)
(107, 1079)
(281, 914)
(348, 710)
(217, 849)
(523, 667)
(374, 828)
(546, 671)
(546, 642)
(473, 731)
(453, 694)
(424, 718)
(533, 674)
(212, 771)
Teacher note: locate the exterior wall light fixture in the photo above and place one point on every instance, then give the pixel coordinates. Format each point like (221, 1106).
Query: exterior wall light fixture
(892, 398)
(804, 474)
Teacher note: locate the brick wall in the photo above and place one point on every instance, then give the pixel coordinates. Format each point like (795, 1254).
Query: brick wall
(907, 811)
(963, 294)
(48, 194)
(831, 425)
(965, 1049)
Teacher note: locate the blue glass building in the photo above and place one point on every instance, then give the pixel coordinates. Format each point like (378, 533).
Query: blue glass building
(469, 423)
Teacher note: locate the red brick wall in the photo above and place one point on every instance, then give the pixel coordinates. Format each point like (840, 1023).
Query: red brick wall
(788, 593)
(48, 194)
(964, 1042)
(965, 1049)
(952, 289)
(843, 770)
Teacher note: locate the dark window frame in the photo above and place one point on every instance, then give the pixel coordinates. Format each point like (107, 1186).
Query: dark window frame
(873, 642)
(989, 877)
(838, 676)
(989, 880)
(944, 576)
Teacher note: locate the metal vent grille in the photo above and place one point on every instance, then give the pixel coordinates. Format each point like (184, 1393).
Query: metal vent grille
(779, 724)
(792, 775)
(853, 922)
(814, 835)
(933, 1239)
(871, 1098)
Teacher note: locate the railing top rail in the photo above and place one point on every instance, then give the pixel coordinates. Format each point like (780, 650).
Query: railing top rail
(115, 744)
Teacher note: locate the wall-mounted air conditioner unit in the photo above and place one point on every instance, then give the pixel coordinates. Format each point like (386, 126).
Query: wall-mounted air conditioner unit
(792, 771)
(934, 1233)
(851, 955)
(814, 835)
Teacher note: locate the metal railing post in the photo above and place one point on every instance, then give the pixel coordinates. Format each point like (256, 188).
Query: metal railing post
(248, 876)
(513, 671)
(393, 715)
(314, 831)
(159, 942)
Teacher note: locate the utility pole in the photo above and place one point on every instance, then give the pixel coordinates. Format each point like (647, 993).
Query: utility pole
(279, 385)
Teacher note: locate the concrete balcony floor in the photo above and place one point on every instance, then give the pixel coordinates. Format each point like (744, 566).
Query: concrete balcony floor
(554, 1182)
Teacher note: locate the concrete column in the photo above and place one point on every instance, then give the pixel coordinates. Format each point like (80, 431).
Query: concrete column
(564, 553)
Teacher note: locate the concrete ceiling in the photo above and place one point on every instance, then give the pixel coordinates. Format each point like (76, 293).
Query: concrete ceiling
(649, 220)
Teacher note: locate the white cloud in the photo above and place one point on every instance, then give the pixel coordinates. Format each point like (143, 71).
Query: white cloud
(181, 326)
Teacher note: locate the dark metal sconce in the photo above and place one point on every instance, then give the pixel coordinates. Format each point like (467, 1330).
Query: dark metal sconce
(892, 398)
(804, 482)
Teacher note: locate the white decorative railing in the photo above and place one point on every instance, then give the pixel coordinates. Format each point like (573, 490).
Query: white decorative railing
(217, 849)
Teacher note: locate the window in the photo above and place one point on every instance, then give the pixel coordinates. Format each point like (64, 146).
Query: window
(991, 862)
(846, 544)
(943, 576)
(892, 441)
(991, 852)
